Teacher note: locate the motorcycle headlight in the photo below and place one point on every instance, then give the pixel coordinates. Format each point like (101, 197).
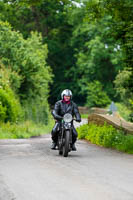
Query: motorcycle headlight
(67, 118)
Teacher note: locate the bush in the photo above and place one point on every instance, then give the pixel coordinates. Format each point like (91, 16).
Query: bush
(10, 109)
(106, 136)
(26, 57)
(96, 97)
(124, 111)
(29, 73)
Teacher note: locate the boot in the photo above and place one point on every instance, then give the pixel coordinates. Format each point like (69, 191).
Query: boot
(73, 147)
(53, 146)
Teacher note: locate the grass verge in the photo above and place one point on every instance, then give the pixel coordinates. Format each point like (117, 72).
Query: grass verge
(26, 129)
(84, 116)
(106, 136)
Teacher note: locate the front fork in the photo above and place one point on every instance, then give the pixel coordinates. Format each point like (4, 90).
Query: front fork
(70, 138)
(63, 134)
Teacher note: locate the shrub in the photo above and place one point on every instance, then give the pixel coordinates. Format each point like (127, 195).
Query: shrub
(96, 97)
(106, 136)
(27, 57)
(124, 111)
(29, 73)
(2, 112)
(10, 109)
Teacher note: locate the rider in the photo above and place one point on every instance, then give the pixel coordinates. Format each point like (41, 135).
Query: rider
(66, 105)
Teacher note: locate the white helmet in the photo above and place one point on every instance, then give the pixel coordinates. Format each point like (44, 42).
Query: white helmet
(66, 92)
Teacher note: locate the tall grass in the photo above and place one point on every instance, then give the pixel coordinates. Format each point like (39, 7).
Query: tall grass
(25, 129)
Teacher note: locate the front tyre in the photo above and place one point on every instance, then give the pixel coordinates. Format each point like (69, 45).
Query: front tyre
(66, 143)
(60, 152)
(60, 145)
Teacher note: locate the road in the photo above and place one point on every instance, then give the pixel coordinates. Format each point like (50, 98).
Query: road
(30, 170)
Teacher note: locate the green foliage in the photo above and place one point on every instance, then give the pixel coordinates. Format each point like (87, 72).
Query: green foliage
(123, 111)
(28, 59)
(106, 136)
(96, 97)
(84, 116)
(87, 43)
(120, 28)
(38, 111)
(10, 109)
(25, 60)
(9, 78)
(97, 56)
(51, 19)
(122, 85)
(26, 129)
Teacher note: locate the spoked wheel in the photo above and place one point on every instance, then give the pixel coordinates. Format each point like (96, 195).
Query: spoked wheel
(66, 143)
(60, 146)
(60, 152)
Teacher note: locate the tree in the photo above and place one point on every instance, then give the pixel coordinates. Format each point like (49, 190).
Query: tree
(96, 97)
(27, 59)
(122, 82)
(10, 108)
(121, 29)
(98, 56)
(51, 19)
(92, 41)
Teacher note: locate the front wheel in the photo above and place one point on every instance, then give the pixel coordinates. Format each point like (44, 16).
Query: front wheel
(66, 143)
(60, 145)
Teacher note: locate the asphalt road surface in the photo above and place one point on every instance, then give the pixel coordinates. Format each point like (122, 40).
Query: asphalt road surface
(30, 170)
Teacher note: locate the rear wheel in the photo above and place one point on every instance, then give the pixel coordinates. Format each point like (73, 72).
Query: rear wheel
(66, 143)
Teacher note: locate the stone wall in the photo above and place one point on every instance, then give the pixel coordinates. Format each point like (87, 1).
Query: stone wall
(86, 110)
(116, 122)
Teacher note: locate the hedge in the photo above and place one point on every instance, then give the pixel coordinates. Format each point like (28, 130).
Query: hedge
(106, 136)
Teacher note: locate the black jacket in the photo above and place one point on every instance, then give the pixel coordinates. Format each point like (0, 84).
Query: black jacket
(62, 108)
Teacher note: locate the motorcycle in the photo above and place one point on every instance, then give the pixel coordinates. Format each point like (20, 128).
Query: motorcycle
(65, 135)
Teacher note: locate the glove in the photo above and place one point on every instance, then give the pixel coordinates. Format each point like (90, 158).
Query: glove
(78, 120)
(61, 118)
